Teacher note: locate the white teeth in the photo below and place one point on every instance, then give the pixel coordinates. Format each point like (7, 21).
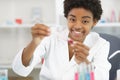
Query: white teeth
(76, 32)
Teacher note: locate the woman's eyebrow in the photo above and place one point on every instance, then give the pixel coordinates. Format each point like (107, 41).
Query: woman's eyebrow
(71, 15)
(86, 17)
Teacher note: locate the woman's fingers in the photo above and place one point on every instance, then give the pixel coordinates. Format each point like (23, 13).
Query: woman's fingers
(41, 27)
(80, 59)
(40, 30)
(82, 45)
(81, 52)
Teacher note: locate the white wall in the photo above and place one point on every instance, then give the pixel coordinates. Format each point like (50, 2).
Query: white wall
(11, 41)
(11, 9)
(108, 6)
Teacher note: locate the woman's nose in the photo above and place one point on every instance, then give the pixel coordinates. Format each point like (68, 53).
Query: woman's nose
(78, 25)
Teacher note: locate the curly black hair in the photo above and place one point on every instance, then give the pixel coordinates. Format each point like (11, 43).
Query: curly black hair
(92, 5)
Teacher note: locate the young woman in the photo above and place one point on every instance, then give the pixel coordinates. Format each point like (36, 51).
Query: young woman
(61, 56)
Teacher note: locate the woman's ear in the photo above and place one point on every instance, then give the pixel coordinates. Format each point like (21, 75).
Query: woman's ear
(95, 22)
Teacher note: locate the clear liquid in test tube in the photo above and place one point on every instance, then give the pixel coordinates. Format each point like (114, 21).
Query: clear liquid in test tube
(59, 30)
(55, 28)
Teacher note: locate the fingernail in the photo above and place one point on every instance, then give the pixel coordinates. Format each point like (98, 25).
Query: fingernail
(48, 30)
(74, 42)
(48, 33)
(72, 45)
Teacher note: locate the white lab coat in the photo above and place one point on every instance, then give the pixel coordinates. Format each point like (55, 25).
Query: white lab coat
(57, 66)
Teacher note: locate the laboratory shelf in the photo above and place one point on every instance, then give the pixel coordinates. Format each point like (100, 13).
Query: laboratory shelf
(9, 66)
(116, 24)
(17, 26)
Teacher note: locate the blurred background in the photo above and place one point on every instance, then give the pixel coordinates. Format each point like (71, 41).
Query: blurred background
(18, 16)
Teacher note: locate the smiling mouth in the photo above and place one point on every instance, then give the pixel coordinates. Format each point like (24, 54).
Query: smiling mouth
(76, 33)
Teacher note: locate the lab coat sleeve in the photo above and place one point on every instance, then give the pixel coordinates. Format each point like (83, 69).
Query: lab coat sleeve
(22, 70)
(102, 66)
(18, 67)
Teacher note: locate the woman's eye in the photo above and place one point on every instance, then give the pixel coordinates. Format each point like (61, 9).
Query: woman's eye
(72, 20)
(85, 21)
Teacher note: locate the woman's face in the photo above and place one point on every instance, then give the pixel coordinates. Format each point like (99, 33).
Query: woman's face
(80, 21)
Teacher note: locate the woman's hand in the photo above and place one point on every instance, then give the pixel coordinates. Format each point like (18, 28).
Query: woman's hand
(81, 52)
(39, 31)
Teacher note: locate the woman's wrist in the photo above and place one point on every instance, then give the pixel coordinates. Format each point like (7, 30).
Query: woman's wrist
(36, 41)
